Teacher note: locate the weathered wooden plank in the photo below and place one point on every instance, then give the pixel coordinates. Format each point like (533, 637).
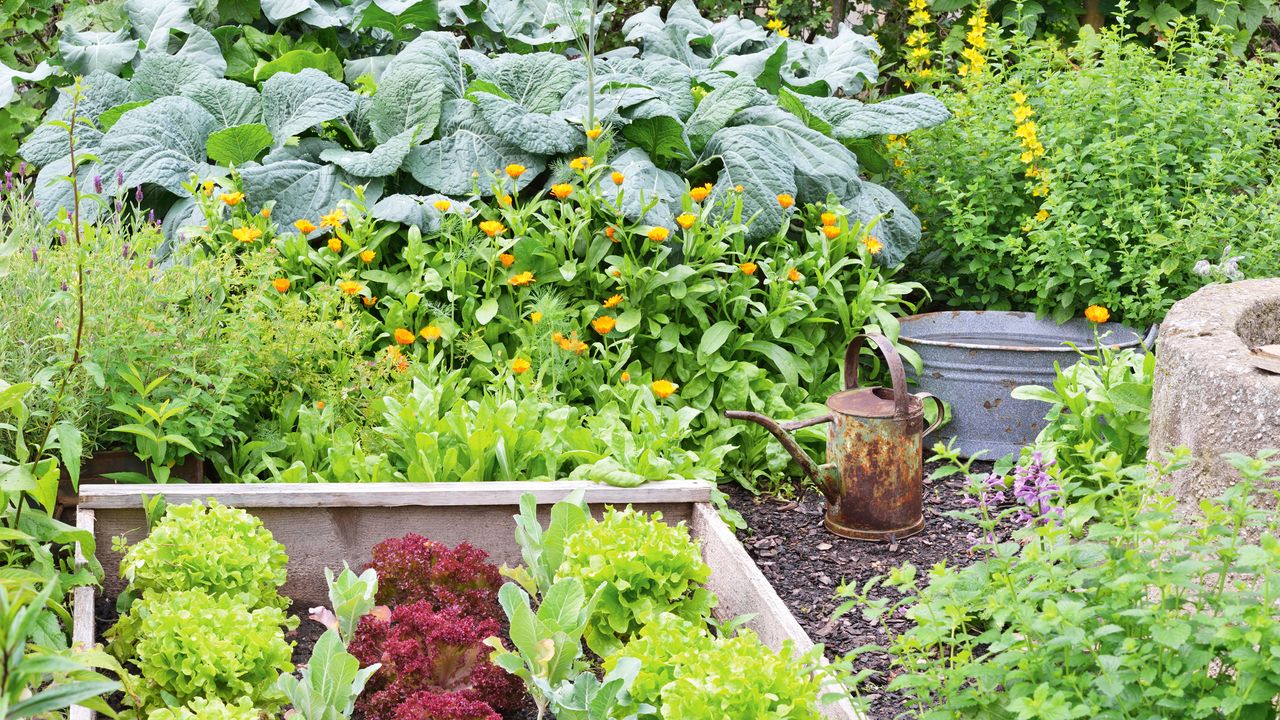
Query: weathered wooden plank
(82, 620)
(325, 495)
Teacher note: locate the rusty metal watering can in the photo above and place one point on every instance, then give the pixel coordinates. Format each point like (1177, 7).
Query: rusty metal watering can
(872, 477)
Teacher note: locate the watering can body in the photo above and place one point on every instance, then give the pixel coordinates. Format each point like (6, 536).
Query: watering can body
(872, 478)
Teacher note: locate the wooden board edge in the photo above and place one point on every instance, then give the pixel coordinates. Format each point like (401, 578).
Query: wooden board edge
(719, 542)
(395, 494)
(82, 611)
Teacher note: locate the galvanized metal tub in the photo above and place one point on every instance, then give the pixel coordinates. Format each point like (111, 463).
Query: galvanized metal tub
(974, 359)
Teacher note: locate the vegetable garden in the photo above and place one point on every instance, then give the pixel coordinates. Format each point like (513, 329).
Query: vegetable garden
(382, 359)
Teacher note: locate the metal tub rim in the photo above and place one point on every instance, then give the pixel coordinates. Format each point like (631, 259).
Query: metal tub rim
(905, 336)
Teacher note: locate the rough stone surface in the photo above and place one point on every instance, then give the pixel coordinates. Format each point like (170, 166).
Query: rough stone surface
(1207, 396)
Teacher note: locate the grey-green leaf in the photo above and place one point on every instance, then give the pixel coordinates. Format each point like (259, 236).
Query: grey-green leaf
(718, 107)
(384, 160)
(162, 143)
(229, 102)
(848, 119)
(534, 132)
(88, 52)
(452, 164)
(416, 210)
(896, 226)
(160, 75)
(301, 189)
(294, 102)
(644, 184)
(408, 96)
(151, 20)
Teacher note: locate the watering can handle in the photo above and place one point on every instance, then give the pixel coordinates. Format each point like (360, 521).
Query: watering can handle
(891, 358)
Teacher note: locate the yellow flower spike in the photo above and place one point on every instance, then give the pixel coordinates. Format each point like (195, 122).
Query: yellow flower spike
(281, 285)
(784, 33)
(658, 234)
(613, 301)
(536, 317)
(231, 199)
(524, 278)
(520, 366)
(350, 287)
(306, 227)
(492, 228)
(404, 336)
(246, 234)
(430, 333)
(748, 268)
(335, 244)
(794, 275)
(663, 388)
(561, 190)
(873, 245)
(1097, 314)
(442, 205)
(774, 24)
(1042, 215)
(333, 219)
(604, 324)
(1019, 98)
(617, 177)
(515, 170)
(595, 132)
(686, 220)
(507, 259)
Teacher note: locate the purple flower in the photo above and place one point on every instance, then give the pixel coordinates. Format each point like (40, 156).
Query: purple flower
(151, 261)
(64, 286)
(1035, 489)
(126, 251)
(151, 215)
(35, 256)
(8, 180)
(119, 178)
(97, 184)
(137, 194)
(119, 206)
(22, 168)
(62, 237)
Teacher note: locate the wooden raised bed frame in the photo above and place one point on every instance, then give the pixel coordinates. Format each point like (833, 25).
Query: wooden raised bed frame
(322, 525)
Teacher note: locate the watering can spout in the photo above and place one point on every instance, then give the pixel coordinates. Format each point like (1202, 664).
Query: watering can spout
(826, 476)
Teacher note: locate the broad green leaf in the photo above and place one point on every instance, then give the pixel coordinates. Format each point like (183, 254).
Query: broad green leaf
(297, 60)
(715, 336)
(84, 53)
(161, 75)
(718, 107)
(162, 143)
(385, 159)
(294, 102)
(843, 64)
(238, 144)
(847, 119)
(487, 310)
(628, 320)
(152, 20)
(277, 11)
(59, 696)
(70, 449)
(201, 48)
(109, 118)
(408, 96)
(452, 164)
(400, 17)
(662, 137)
(644, 184)
(229, 102)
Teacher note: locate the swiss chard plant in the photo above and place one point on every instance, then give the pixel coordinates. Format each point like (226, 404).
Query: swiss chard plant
(728, 102)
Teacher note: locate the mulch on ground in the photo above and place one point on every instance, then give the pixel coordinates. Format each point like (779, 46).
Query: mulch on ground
(806, 564)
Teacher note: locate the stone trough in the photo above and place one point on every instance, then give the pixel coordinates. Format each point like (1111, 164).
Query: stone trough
(1210, 395)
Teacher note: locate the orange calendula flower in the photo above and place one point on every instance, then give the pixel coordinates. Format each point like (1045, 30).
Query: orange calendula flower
(794, 275)
(404, 336)
(829, 219)
(748, 268)
(265, 212)
(663, 388)
(561, 190)
(557, 337)
(1097, 314)
(658, 234)
(370, 300)
(246, 234)
(520, 366)
(335, 244)
(442, 205)
(368, 256)
(831, 231)
(515, 170)
(281, 285)
(626, 376)
(615, 272)
(738, 188)
(582, 163)
(430, 333)
(350, 287)
(872, 244)
(536, 317)
(232, 199)
(505, 200)
(604, 324)
(524, 278)
(507, 259)
(786, 200)
(701, 192)
(617, 177)
(492, 228)
(609, 232)
(595, 132)
(333, 219)
(319, 404)
(613, 301)
(686, 220)
(306, 227)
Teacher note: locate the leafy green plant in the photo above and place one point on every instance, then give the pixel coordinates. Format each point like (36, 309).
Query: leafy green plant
(1053, 214)
(188, 644)
(331, 681)
(157, 447)
(642, 567)
(351, 597)
(223, 551)
(208, 709)
(1137, 610)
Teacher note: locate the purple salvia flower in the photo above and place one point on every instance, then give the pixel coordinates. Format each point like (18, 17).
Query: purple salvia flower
(126, 251)
(35, 255)
(64, 286)
(119, 178)
(151, 215)
(97, 184)
(1036, 490)
(151, 261)
(22, 168)
(137, 194)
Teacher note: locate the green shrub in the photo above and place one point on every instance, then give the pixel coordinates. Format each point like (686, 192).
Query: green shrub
(1123, 202)
(187, 644)
(220, 550)
(646, 568)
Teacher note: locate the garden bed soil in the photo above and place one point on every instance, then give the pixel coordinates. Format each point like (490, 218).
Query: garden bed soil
(806, 564)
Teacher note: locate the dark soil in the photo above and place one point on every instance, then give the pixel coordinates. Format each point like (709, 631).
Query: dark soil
(806, 564)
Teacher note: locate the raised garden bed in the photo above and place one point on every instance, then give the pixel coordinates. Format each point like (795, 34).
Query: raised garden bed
(325, 525)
